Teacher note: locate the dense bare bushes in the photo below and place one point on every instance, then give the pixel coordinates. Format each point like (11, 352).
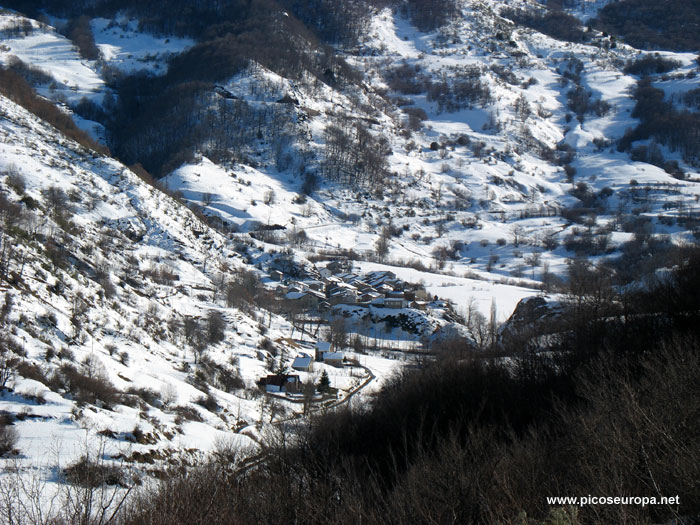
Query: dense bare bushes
(427, 15)
(87, 385)
(32, 74)
(333, 21)
(660, 120)
(463, 89)
(651, 64)
(8, 435)
(470, 441)
(87, 472)
(459, 88)
(554, 23)
(355, 155)
(630, 435)
(653, 25)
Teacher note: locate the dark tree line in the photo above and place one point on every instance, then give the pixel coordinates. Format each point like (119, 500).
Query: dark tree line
(78, 30)
(171, 17)
(650, 24)
(333, 21)
(677, 129)
(427, 15)
(158, 132)
(650, 65)
(552, 22)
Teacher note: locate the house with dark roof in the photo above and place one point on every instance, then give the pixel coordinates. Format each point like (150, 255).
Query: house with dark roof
(306, 298)
(281, 383)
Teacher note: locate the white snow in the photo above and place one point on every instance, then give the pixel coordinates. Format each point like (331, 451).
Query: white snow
(470, 203)
(129, 49)
(73, 77)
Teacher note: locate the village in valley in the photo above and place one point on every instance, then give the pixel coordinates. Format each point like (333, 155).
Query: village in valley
(342, 261)
(338, 318)
(337, 285)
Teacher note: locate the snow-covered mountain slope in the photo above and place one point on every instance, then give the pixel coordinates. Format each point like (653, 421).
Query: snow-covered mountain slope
(110, 228)
(472, 163)
(106, 282)
(509, 174)
(66, 76)
(134, 333)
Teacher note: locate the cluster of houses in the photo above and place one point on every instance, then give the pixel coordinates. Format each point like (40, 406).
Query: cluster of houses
(290, 383)
(329, 286)
(333, 285)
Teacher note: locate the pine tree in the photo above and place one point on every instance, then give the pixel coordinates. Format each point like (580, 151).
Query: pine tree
(324, 384)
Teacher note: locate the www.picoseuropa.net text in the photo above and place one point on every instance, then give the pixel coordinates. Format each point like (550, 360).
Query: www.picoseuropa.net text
(582, 501)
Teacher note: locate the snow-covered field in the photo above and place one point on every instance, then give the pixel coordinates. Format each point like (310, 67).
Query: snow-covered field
(42, 47)
(461, 291)
(128, 49)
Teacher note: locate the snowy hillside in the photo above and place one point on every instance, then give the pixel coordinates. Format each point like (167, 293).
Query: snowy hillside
(67, 77)
(137, 258)
(112, 292)
(126, 48)
(323, 217)
(509, 184)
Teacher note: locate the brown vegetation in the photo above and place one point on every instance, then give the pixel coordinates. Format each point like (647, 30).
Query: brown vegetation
(14, 87)
(608, 406)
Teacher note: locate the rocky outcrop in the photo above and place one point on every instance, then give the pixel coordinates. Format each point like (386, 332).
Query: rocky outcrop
(530, 318)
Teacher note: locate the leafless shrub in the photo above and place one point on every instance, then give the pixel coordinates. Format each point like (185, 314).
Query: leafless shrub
(86, 472)
(188, 413)
(149, 396)
(10, 354)
(160, 274)
(270, 197)
(208, 402)
(8, 436)
(88, 387)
